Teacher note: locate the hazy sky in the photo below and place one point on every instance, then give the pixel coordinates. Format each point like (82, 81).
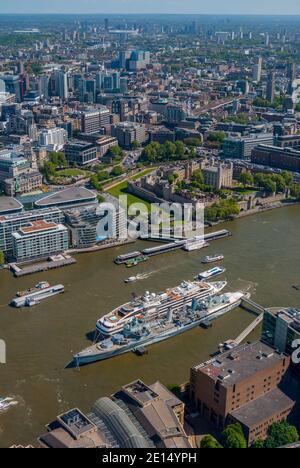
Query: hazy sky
(151, 6)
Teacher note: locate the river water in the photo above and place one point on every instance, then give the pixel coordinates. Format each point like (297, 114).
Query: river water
(262, 256)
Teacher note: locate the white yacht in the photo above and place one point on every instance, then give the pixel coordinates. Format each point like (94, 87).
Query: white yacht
(154, 305)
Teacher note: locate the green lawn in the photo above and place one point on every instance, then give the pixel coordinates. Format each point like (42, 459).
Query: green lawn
(121, 189)
(71, 173)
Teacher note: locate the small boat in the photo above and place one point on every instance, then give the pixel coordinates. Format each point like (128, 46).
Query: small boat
(36, 297)
(213, 258)
(136, 261)
(38, 287)
(5, 404)
(211, 273)
(6, 400)
(132, 279)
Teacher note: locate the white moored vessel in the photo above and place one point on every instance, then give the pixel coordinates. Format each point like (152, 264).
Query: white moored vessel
(154, 305)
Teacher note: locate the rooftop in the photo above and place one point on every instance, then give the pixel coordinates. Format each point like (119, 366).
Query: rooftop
(9, 204)
(27, 215)
(241, 363)
(76, 422)
(37, 226)
(74, 194)
(263, 408)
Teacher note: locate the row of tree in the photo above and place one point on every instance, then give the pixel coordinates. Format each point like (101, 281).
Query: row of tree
(169, 151)
(233, 437)
(271, 183)
(101, 176)
(224, 209)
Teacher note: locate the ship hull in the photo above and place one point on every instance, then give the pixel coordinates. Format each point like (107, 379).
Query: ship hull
(86, 358)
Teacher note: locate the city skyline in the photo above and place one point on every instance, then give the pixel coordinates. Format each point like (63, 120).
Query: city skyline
(151, 7)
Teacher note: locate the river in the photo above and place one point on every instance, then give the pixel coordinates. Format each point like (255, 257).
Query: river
(263, 256)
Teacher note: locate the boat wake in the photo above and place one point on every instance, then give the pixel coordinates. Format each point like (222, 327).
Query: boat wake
(247, 286)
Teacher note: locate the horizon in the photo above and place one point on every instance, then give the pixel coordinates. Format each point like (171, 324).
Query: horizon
(152, 7)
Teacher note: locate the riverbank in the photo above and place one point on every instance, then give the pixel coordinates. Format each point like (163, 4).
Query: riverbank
(256, 211)
(261, 256)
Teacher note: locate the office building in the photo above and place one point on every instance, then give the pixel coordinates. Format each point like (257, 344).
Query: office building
(13, 222)
(273, 156)
(80, 153)
(12, 85)
(134, 60)
(82, 223)
(257, 70)
(242, 386)
(291, 76)
(68, 198)
(128, 132)
(27, 182)
(44, 86)
(55, 138)
(12, 164)
(241, 147)
(92, 121)
(137, 416)
(62, 85)
(175, 114)
(271, 87)
(281, 327)
(39, 239)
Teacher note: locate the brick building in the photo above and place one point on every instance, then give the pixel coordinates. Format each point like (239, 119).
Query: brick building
(241, 385)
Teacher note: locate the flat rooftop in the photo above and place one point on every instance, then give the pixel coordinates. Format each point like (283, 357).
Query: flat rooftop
(9, 205)
(37, 226)
(63, 197)
(27, 215)
(140, 392)
(263, 408)
(241, 363)
(76, 422)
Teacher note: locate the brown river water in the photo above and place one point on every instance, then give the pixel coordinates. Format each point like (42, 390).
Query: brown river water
(263, 256)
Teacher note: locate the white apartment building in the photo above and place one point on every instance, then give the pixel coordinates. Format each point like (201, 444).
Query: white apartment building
(55, 138)
(39, 239)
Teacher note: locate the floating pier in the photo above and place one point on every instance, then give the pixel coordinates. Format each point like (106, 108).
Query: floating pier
(169, 247)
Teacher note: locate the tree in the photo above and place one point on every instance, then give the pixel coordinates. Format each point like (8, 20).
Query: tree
(233, 437)
(288, 177)
(209, 442)
(198, 177)
(193, 141)
(180, 149)
(280, 434)
(2, 258)
(246, 178)
(58, 159)
(280, 182)
(176, 390)
(222, 210)
(258, 444)
(95, 182)
(270, 186)
(295, 191)
(135, 145)
(115, 152)
(117, 171)
(49, 169)
(171, 179)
